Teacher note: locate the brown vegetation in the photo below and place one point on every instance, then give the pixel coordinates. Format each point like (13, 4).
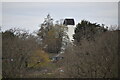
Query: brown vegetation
(94, 59)
(92, 54)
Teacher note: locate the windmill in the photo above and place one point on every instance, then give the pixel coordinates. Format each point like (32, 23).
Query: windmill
(69, 22)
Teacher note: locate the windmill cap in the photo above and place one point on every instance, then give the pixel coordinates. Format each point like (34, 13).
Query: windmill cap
(69, 21)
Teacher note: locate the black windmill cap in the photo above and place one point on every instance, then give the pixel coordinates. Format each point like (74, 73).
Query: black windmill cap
(69, 22)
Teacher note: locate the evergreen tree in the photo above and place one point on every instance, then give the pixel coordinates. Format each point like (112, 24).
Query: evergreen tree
(87, 30)
(51, 35)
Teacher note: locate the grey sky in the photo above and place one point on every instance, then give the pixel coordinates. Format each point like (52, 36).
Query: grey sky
(29, 15)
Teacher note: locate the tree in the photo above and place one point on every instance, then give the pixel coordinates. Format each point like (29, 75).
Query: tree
(51, 35)
(8, 34)
(15, 53)
(93, 59)
(45, 27)
(87, 30)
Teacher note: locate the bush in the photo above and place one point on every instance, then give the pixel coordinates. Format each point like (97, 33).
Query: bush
(38, 59)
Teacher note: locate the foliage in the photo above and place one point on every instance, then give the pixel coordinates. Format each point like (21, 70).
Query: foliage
(38, 58)
(8, 34)
(94, 56)
(51, 36)
(87, 30)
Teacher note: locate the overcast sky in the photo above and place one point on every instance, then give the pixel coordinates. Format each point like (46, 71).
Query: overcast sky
(29, 15)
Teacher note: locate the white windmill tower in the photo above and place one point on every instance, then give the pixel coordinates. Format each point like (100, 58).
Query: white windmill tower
(70, 22)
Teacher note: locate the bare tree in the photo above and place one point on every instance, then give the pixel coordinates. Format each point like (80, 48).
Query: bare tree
(15, 53)
(93, 59)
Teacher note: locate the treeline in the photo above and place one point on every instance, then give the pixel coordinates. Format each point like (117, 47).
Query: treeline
(22, 51)
(92, 54)
(16, 50)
